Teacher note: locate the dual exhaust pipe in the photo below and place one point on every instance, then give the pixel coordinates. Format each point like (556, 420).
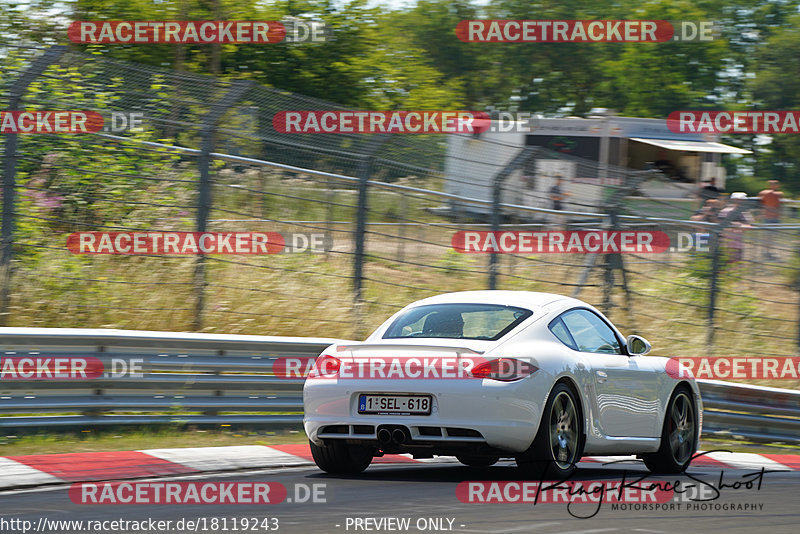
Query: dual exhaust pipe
(396, 436)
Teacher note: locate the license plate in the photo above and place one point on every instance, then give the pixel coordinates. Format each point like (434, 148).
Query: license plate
(395, 404)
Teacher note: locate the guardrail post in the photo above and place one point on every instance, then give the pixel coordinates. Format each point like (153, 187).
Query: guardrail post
(208, 128)
(522, 158)
(16, 91)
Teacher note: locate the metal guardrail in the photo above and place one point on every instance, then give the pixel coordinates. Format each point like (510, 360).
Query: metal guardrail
(179, 378)
(228, 379)
(754, 413)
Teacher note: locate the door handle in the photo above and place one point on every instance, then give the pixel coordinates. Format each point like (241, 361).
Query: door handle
(602, 376)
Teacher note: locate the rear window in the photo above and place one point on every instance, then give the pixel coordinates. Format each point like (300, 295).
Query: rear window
(457, 321)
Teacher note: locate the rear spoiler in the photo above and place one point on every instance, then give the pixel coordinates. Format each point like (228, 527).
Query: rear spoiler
(373, 346)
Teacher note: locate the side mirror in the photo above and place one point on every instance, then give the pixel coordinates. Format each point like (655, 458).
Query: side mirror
(638, 346)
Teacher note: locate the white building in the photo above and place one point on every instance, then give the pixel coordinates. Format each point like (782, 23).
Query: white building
(592, 155)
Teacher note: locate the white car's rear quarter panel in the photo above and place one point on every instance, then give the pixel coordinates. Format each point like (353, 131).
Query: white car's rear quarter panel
(508, 413)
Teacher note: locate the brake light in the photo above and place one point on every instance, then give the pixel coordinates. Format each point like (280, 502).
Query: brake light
(504, 369)
(326, 366)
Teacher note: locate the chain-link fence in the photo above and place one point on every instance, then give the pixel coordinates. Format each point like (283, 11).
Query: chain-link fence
(369, 221)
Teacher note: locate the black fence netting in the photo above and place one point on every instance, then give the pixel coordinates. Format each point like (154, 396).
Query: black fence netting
(354, 226)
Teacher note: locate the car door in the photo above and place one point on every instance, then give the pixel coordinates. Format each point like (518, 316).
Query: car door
(625, 396)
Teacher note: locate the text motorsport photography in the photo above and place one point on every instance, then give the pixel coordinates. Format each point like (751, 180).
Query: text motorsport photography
(584, 499)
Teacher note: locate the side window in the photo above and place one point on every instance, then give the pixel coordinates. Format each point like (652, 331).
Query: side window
(590, 332)
(560, 331)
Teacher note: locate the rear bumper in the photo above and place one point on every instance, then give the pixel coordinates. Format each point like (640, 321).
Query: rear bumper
(498, 415)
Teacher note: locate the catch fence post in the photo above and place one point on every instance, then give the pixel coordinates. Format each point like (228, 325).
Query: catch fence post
(797, 288)
(17, 89)
(359, 233)
(521, 159)
(713, 285)
(208, 128)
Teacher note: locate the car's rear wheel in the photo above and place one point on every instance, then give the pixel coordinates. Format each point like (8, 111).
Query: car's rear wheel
(558, 444)
(338, 457)
(678, 435)
(477, 461)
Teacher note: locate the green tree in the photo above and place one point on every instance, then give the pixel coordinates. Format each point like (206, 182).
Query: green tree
(775, 86)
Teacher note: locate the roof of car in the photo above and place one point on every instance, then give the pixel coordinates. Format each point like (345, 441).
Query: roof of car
(526, 299)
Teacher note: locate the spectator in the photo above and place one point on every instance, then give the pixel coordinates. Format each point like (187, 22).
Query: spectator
(557, 197)
(771, 209)
(557, 193)
(737, 220)
(709, 211)
(709, 191)
(771, 203)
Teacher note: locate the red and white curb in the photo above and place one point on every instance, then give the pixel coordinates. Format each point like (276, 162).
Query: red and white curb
(38, 470)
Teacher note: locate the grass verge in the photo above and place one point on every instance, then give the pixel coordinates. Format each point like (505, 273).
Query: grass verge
(126, 440)
(170, 438)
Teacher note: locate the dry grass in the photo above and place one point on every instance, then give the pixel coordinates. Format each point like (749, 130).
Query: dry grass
(103, 441)
(309, 294)
(127, 440)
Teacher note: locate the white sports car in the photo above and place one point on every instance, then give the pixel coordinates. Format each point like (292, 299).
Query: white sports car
(483, 375)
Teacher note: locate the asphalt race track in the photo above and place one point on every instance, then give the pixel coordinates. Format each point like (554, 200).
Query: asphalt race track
(419, 493)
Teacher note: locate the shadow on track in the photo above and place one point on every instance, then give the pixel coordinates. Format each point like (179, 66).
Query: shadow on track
(458, 473)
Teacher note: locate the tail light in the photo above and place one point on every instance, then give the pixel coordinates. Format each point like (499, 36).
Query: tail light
(326, 366)
(504, 369)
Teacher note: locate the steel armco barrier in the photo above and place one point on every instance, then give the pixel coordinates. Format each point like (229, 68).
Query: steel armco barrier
(753, 413)
(228, 379)
(179, 378)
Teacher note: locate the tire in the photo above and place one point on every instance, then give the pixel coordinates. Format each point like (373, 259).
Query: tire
(477, 461)
(337, 457)
(558, 444)
(678, 435)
